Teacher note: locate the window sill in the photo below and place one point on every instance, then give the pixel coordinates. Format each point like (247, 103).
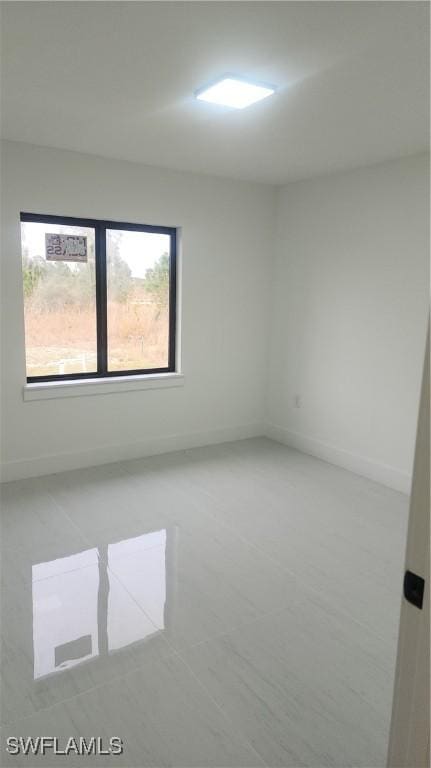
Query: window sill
(48, 390)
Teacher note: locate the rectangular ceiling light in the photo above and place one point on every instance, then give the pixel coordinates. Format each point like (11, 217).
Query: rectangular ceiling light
(234, 92)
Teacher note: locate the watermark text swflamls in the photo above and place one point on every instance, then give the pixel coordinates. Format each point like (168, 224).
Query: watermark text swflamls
(43, 745)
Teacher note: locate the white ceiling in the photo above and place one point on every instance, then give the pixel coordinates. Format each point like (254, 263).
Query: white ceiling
(117, 79)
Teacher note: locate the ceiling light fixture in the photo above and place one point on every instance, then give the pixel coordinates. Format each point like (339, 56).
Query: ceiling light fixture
(234, 92)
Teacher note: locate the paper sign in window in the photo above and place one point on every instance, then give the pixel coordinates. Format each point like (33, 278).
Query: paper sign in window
(65, 247)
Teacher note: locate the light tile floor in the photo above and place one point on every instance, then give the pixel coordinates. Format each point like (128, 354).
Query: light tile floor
(235, 605)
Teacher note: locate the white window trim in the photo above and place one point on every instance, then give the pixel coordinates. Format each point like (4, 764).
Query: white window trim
(48, 390)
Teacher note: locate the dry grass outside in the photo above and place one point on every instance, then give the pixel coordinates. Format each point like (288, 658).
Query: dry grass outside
(64, 341)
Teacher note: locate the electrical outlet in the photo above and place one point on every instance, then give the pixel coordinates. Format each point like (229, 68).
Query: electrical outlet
(297, 401)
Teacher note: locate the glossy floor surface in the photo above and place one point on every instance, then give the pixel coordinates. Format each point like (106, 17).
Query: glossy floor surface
(235, 605)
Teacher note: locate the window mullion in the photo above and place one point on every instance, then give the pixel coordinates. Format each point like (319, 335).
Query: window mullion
(101, 296)
(172, 302)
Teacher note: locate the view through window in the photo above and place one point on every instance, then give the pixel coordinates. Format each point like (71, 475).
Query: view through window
(138, 299)
(99, 297)
(60, 304)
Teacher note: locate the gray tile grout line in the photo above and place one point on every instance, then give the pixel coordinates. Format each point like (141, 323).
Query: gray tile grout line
(276, 562)
(67, 516)
(265, 615)
(177, 653)
(116, 677)
(235, 627)
(108, 566)
(93, 688)
(217, 705)
(228, 527)
(174, 652)
(119, 580)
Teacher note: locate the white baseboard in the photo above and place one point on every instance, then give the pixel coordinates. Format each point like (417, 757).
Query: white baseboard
(381, 473)
(61, 462)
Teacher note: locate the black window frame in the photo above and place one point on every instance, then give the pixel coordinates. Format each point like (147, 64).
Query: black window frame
(100, 226)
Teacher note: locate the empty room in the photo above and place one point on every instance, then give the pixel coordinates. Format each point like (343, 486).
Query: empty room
(215, 384)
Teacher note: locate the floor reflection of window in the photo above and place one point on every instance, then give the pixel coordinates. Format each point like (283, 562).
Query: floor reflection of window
(80, 611)
(140, 564)
(65, 595)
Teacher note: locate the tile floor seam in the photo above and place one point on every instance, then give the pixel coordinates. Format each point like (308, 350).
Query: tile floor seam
(172, 648)
(231, 529)
(170, 652)
(234, 628)
(174, 652)
(142, 610)
(184, 654)
(62, 573)
(265, 554)
(93, 688)
(128, 674)
(71, 521)
(217, 705)
(274, 614)
(283, 568)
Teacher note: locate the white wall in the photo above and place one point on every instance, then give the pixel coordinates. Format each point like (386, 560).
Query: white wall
(347, 291)
(227, 228)
(349, 318)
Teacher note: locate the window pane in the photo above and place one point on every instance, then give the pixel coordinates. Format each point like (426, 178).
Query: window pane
(59, 299)
(138, 299)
